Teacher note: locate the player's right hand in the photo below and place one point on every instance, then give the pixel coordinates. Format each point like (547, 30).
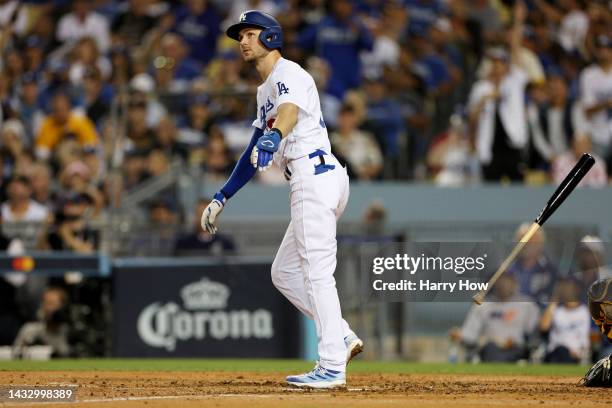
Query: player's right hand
(211, 212)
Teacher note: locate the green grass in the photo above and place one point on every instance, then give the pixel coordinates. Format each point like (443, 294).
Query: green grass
(275, 365)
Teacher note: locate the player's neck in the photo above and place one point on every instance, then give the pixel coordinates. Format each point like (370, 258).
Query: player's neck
(266, 64)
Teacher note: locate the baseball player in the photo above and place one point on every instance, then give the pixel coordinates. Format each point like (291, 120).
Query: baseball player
(290, 131)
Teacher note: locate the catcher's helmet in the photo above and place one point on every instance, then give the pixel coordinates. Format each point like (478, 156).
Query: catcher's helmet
(272, 34)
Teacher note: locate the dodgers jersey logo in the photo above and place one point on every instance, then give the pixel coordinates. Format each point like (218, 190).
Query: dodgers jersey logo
(263, 111)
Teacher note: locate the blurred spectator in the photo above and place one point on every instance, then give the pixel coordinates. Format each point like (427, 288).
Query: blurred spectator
(134, 169)
(174, 67)
(533, 270)
(219, 162)
(383, 118)
(96, 96)
(85, 56)
(551, 124)
(590, 264)
(194, 128)
(12, 147)
(330, 104)
(40, 178)
(167, 139)
(140, 135)
(339, 38)
(357, 147)
(199, 242)
(129, 28)
(596, 177)
(63, 124)
(143, 90)
(451, 158)
(498, 329)
(20, 207)
(422, 14)
(27, 103)
(71, 231)
(568, 324)
(52, 328)
(596, 95)
(198, 24)
(83, 22)
(497, 109)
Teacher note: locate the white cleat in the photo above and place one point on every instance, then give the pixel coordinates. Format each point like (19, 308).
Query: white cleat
(354, 346)
(319, 378)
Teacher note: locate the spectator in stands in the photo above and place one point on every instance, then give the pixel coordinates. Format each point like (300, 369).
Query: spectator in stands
(498, 330)
(52, 328)
(590, 264)
(596, 95)
(130, 27)
(497, 109)
(338, 38)
(596, 177)
(166, 140)
(199, 242)
(96, 96)
(143, 88)
(63, 124)
(140, 135)
(134, 169)
(174, 58)
(85, 55)
(40, 178)
(358, 148)
(533, 270)
(551, 123)
(219, 162)
(20, 207)
(83, 22)
(568, 324)
(12, 147)
(71, 231)
(27, 103)
(383, 118)
(194, 128)
(198, 22)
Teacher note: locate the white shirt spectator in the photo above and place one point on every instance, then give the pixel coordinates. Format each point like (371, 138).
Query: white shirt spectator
(359, 149)
(570, 329)
(71, 28)
(573, 30)
(511, 110)
(384, 53)
(596, 87)
(36, 213)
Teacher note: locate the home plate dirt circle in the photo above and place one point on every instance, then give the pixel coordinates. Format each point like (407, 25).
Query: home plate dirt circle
(240, 389)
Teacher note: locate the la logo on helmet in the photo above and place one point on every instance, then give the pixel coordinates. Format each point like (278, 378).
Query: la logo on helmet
(243, 17)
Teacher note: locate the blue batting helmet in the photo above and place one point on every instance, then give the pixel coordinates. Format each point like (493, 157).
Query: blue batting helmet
(272, 34)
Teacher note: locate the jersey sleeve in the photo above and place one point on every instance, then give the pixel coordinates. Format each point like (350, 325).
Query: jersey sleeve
(291, 86)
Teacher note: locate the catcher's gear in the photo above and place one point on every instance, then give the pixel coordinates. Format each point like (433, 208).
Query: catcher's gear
(262, 153)
(600, 305)
(272, 34)
(600, 375)
(211, 212)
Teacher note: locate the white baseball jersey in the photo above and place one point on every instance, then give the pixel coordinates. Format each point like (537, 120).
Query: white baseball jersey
(570, 328)
(288, 82)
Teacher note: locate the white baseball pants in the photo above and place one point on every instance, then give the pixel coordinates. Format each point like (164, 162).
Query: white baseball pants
(303, 270)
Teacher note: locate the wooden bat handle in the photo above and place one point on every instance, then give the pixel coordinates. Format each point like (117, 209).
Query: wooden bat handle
(479, 297)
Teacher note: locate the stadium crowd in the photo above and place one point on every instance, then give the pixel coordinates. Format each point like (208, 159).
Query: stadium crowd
(99, 96)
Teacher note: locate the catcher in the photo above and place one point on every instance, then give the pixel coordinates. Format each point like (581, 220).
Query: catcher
(600, 305)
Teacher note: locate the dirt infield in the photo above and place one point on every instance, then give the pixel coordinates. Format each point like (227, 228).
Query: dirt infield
(248, 389)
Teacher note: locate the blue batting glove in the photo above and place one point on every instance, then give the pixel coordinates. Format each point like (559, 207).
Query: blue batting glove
(265, 148)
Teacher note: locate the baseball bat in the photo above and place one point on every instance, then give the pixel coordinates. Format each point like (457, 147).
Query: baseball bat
(561, 193)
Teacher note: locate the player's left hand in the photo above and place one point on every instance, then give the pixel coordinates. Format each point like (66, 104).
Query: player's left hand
(263, 151)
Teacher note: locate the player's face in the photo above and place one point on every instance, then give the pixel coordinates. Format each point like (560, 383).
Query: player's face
(250, 46)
